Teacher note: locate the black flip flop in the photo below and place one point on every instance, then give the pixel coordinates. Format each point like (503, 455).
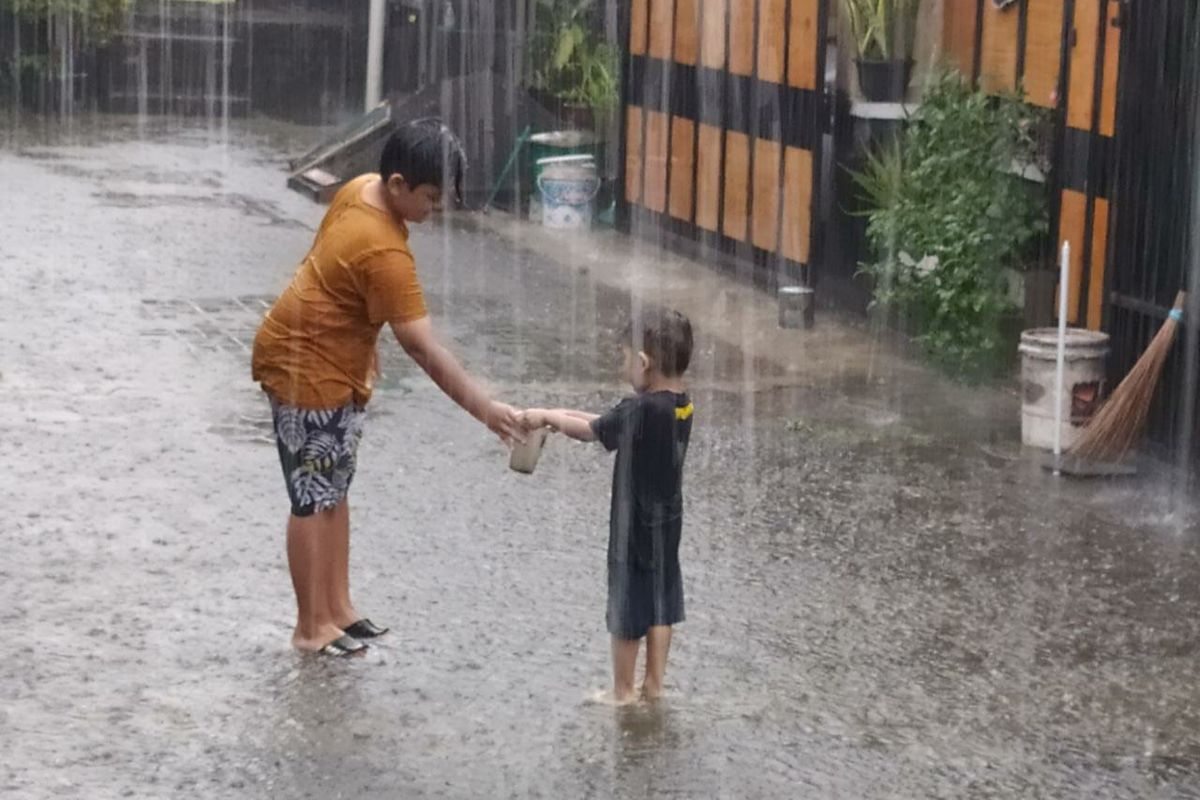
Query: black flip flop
(343, 646)
(365, 629)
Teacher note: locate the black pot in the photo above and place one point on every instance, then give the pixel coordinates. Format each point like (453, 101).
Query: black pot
(884, 81)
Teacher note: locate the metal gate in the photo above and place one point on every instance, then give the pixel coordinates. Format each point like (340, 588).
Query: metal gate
(722, 127)
(1153, 179)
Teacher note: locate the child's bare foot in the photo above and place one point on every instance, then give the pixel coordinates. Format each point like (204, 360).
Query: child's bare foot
(317, 639)
(624, 696)
(651, 693)
(606, 697)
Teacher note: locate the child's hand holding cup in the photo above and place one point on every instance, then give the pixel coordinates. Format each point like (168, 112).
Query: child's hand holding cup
(525, 454)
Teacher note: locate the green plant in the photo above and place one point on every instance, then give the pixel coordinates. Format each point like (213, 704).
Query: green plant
(570, 62)
(948, 221)
(883, 30)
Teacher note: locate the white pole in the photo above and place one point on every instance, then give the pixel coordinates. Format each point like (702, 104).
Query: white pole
(375, 22)
(1064, 280)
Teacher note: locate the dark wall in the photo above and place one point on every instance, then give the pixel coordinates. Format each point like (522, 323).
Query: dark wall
(307, 59)
(299, 60)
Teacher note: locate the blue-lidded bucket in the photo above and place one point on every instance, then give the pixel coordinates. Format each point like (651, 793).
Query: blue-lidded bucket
(568, 185)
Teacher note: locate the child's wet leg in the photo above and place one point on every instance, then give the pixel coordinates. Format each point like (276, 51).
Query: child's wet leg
(624, 656)
(338, 549)
(658, 643)
(311, 577)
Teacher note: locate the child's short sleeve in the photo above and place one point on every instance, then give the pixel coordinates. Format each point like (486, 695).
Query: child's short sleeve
(612, 426)
(393, 293)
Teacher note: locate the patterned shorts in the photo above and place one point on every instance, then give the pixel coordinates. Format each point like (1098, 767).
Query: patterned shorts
(317, 450)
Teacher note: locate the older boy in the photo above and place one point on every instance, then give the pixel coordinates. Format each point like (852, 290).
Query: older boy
(315, 358)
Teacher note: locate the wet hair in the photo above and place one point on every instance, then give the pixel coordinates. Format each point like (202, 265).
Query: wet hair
(425, 152)
(665, 336)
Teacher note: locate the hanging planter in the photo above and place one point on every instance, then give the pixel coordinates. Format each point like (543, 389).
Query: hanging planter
(884, 31)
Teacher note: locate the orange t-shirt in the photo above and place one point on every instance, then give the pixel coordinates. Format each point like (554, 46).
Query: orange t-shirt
(316, 346)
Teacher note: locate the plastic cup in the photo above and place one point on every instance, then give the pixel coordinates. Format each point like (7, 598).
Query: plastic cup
(525, 454)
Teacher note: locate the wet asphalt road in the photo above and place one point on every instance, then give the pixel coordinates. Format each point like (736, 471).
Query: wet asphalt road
(881, 602)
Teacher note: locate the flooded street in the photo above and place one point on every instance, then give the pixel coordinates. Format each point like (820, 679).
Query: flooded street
(885, 597)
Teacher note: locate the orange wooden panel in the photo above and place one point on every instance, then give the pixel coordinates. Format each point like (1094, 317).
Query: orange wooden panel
(654, 194)
(1095, 311)
(958, 33)
(741, 37)
(1083, 64)
(1112, 68)
(737, 180)
(712, 33)
(998, 59)
(683, 143)
(766, 194)
(1043, 52)
(772, 26)
(662, 28)
(802, 45)
(633, 154)
(637, 27)
(708, 178)
(687, 31)
(797, 203)
(1071, 225)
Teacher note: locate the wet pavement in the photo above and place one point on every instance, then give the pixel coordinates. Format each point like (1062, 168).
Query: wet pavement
(885, 598)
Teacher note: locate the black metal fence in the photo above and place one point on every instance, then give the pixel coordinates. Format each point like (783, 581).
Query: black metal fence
(1155, 169)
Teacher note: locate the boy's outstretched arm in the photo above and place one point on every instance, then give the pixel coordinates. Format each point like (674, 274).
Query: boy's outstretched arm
(421, 343)
(575, 424)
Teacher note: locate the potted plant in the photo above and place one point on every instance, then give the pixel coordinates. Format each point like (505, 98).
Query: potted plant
(949, 223)
(884, 32)
(573, 67)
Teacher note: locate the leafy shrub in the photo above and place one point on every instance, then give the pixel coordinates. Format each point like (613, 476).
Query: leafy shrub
(947, 219)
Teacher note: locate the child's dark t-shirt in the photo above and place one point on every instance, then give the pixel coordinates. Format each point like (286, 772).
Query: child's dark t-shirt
(650, 433)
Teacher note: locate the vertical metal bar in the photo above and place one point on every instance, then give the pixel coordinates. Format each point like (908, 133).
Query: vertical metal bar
(1022, 38)
(16, 23)
(1064, 294)
(248, 28)
(1120, 203)
(375, 22)
(667, 104)
(756, 89)
(726, 117)
(624, 25)
(977, 60)
(697, 105)
(786, 118)
(1057, 181)
(1093, 163)
(816, 232)
(1191, 367)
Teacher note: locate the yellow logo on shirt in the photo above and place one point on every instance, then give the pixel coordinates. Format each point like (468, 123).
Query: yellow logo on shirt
(684, 413)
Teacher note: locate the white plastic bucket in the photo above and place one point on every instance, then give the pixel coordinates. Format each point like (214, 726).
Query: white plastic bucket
(1083, 383)
(568, 185)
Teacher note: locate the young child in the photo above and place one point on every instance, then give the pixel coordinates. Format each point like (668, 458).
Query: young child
(650, 433)
(315, 356)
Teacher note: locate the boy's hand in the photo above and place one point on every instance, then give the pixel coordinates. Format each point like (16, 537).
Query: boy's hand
(534, 418)
(505, 421)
